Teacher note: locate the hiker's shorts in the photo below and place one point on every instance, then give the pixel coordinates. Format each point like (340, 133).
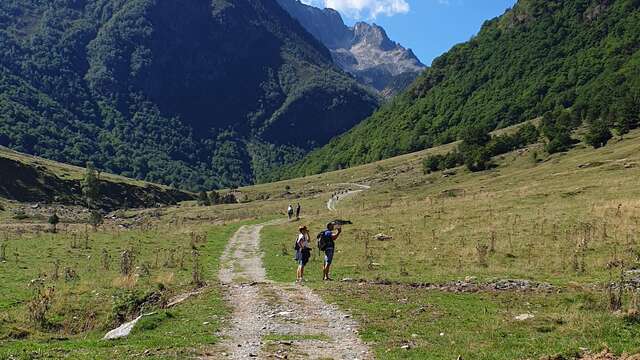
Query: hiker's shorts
(328, 256)
(303, 257)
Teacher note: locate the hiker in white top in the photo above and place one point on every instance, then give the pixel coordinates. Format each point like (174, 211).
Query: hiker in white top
(303, 252)
(290, 211)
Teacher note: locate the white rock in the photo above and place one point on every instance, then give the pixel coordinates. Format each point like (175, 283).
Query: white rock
(524, 317)
(383, 237)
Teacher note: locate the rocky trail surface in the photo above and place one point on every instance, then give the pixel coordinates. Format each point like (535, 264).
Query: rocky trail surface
(279, 321)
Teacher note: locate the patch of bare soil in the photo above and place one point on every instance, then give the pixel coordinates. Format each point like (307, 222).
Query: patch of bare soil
(279, 321)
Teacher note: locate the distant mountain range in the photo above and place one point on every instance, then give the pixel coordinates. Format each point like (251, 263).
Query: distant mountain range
(198, 93)
(569, 59)
(363, 50)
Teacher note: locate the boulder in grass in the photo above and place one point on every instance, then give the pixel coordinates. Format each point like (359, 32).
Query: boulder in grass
(125, 329)
(383, 237)
(524, 317)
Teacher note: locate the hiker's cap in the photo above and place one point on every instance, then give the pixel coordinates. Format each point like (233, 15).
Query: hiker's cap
(303, 227)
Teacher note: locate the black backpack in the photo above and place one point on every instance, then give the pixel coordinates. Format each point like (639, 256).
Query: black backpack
(323, 241)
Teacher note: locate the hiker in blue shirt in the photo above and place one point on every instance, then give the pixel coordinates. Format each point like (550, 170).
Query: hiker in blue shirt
(326, 243)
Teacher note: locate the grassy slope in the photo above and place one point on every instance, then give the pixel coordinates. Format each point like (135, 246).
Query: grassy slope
(185, 330)
(37, 179)
(538, 211)
(65, 171)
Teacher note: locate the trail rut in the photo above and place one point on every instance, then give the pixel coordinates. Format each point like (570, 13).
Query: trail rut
(298, 322)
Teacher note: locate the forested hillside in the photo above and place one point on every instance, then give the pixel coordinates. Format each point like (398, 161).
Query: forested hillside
(197, 94)
(541, 57)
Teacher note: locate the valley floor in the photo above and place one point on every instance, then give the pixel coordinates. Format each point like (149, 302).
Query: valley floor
(534, 259)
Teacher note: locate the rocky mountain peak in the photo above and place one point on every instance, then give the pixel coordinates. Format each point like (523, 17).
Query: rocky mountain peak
(364, 50)
(373, 35)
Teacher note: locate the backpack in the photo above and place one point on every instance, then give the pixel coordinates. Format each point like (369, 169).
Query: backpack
(323, 241)
(296, 246)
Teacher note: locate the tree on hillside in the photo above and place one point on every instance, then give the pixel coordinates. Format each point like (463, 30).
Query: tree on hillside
(95, 219)
(203, 199)
(53, 221)
(214, 198)
(475, 136)
(598, 133)
(91, 186)
(557, 127)
(473, 148)
(477, 158)
(627, 115)
(229, 199)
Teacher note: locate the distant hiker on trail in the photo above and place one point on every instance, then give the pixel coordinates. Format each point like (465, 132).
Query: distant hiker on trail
(326, 243)
(290, 211)
(298, 208)
(303, 252)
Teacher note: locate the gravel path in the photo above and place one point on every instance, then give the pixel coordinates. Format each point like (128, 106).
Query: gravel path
(297, 322)
(331, 203)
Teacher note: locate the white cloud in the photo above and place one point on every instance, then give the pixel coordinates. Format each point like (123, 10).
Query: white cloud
(369, 9)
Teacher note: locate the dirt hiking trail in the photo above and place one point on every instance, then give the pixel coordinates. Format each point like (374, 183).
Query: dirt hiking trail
(279, 321)
(331, 203)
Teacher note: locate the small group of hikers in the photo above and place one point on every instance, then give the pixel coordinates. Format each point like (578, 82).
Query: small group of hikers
(290, 211)
(325, 242)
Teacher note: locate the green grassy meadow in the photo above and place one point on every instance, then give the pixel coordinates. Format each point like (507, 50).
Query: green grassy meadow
(83, 310)
(569, 219)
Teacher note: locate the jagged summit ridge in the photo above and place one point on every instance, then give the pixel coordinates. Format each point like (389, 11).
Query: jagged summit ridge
(364, 50)
(371, 47)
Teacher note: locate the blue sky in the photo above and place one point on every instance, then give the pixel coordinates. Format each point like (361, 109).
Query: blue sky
(428, 27)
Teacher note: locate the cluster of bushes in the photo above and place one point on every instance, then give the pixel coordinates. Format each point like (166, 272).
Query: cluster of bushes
(619, 114)
(214, 198)
(600, 120)
(478, 146)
